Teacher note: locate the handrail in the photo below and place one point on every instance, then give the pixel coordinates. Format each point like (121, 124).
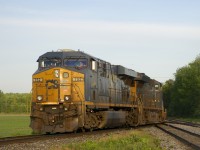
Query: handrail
(78, 91)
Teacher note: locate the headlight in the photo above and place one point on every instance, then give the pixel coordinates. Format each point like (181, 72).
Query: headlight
(66, 98)
(56, 73)
(39, 98)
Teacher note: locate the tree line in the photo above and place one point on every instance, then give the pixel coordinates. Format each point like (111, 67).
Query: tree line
(15, 102)
(182, 95)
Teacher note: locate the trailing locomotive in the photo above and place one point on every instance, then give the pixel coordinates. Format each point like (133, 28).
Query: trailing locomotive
(72, 90)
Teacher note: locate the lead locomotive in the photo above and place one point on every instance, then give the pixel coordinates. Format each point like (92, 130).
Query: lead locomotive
(73, 90)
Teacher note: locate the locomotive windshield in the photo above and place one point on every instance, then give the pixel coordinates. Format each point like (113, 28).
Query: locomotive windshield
(50, 62)
(78, 63)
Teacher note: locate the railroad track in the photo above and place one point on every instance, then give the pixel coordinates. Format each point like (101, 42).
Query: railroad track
(21, 139)
(184, 123)
(189, 138)
(35, 138)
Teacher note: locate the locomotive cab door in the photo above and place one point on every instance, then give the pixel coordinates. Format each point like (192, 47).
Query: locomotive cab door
(94, 76)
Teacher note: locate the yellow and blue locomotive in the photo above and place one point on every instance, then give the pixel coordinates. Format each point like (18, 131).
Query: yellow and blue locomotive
(72, 90)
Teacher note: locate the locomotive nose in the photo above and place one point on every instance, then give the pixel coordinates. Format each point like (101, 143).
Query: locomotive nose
(52, 86)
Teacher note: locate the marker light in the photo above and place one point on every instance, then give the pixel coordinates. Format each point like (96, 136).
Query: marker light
(65, 75)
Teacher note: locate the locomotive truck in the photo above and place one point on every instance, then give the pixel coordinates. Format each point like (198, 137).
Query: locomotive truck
(73, 90)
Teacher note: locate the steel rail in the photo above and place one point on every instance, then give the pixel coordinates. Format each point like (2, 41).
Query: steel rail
(191, 133)
(184, 123)
(33, 138)
(179, 137)
(20, 139)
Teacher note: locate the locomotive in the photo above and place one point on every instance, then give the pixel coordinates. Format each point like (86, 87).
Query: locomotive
(73, 90)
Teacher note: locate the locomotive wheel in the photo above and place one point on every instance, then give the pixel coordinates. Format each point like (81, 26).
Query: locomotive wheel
(91, 121)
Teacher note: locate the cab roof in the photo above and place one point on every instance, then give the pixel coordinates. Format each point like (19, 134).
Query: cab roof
(65, 53)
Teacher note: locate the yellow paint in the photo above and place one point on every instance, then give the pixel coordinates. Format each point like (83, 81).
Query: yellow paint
(43, 86)
(72, 86)
(78, 88)
(133, 91)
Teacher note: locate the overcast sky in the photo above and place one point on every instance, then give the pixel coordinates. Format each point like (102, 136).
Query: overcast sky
(151, 36)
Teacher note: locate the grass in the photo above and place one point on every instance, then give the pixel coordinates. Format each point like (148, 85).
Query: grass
(14, 125)
(197, 120)
(190, 119)
(132, 140)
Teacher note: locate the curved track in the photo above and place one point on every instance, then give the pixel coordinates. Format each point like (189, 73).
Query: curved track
(189, 138)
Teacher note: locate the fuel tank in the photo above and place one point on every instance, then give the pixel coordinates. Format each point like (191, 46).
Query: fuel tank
(113, 119)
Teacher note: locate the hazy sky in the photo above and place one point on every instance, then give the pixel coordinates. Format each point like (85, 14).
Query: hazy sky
(151, 36)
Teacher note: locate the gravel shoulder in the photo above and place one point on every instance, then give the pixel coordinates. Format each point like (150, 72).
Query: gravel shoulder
(167, 142)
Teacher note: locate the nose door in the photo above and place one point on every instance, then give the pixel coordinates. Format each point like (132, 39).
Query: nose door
(52, 87)
(52, 90)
